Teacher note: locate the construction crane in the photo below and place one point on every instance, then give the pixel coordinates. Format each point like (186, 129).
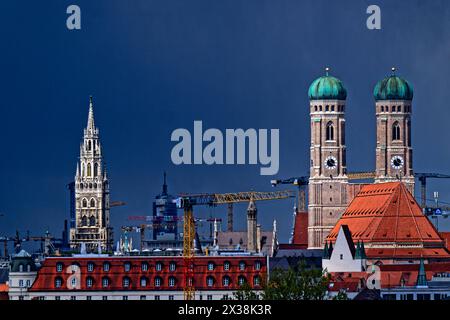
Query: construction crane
(188, 201)
(422, 177)
(301, 183)
(361, 175)
(116, 204)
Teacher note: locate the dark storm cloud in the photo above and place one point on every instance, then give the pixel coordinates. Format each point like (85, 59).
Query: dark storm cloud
(154, 66)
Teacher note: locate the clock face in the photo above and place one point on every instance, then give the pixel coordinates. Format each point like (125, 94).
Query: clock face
(397, 162)
(330, 162)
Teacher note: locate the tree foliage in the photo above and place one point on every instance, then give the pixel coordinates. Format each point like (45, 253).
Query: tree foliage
(245, 292)
(297, 283)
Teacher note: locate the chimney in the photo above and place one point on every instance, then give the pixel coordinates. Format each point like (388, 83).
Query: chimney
(251, 227)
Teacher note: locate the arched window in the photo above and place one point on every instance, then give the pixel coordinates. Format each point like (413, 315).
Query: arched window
(210, 266)
(59, 267)
(332, 107)
(172, 281)
(330, 131)
(158, 266)
(315, 108)
(256, 281)
(209, 281)
(144, 266)
(226, 265)
(226, 281)
(89, 282)
(172, 266)
(382, 108)
(95, 169)
(241, 265)
(327, 108)
(84, 203)
(241, 280)
(89, 145)
(144, 281)
(106, 266)
(20, 267)
(58, 282)
(126, 282)
(396, 131)
(105, 282)
(92, 203)
(88, 169)
(84, 221)
(92, 221)
(158, 281)
(399, 108)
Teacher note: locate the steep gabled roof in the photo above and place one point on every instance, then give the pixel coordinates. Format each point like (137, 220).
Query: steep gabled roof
(348, 238)
(387, 213)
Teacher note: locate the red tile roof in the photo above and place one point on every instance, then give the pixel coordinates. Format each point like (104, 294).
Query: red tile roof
(446, 237)
(397, 275)
(388, 213)
(300, 236)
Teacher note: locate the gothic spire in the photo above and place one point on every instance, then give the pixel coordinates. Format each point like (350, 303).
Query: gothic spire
(90, 124)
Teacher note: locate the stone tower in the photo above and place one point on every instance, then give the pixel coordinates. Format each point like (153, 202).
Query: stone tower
(91, 194)
(393, 96)
(328, 176)
(252, 239)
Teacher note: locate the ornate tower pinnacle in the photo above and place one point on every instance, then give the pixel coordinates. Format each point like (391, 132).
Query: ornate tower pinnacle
(91, 193)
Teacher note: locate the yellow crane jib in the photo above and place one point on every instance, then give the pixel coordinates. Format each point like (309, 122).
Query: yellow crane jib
(187, 201)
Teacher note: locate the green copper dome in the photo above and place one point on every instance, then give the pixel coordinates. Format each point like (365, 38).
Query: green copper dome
(327, 88)
(393, 88)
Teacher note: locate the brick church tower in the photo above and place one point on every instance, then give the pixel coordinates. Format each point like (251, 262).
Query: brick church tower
(328, 174)
(393, 96)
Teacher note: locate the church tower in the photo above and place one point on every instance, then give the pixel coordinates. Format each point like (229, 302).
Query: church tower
(393, 96)
(328, 174)
(91, 193)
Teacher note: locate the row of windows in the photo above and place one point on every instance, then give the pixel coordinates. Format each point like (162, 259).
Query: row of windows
(156, 297)
(89, 170)
(85, 222)
(418, 296)
(158, 265)
(332, 108)
(90, 185)
(84, 203)
(22, 283)
(395, 109)
(157, 281)
(21, 268)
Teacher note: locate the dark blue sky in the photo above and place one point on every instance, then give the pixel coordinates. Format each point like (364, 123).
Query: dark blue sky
(154, 66)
